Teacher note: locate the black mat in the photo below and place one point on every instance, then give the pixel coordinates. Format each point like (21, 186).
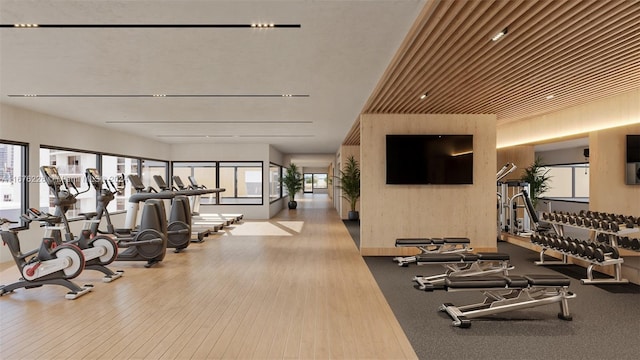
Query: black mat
(606, 318)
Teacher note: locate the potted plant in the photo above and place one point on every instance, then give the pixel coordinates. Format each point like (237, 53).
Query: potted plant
(537, 177)
(350, 185)
(292, 181)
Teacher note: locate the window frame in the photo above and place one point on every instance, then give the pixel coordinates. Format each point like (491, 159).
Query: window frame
(279, 194)
(258, 164)
(579, 166)
(23, 178)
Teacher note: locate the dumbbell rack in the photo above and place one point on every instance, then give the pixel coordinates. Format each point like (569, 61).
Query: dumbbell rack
(616, 263)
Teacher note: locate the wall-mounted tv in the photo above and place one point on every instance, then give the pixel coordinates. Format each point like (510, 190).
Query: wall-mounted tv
(429, 159)
(633, 160)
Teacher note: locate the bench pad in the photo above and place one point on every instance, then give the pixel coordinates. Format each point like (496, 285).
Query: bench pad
(413, 242)
(547, 280)
(492, 256)
(439, 258)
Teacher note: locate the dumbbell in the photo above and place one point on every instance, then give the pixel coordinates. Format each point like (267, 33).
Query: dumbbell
(535, 239)
(573, 246)
(589, 222)
(602, 237)
(614, 226)
(606, 250)
(624, 242)
(582, 248)
(634, 244)
(590, 251)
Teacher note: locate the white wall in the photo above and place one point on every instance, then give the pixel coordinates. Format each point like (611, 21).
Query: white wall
(37, 129)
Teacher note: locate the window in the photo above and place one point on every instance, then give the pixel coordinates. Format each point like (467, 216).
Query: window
(71, 165)
(117, 169)
(275, 182)
(151, 168)
(13, 180)
(315, 181)
(242, 181)
(203, 172)
(568, 181)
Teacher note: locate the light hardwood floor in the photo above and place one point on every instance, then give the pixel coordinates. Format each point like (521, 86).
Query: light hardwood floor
(291, 287)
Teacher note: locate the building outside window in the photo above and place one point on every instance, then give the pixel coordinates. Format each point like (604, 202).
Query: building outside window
(13, 180)
(203, 172)
(242, 182)
(116, 170)
(71, 165)
(275, 182)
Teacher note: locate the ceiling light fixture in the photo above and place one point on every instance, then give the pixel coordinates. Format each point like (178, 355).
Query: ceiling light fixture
(262, 25)
(165, 95)
(549, 97)
(500, 35)
(151, 26)
(424, 96)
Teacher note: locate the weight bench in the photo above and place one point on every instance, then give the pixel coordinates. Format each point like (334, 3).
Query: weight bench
(432, 245)
(507, 293)
(461, 265)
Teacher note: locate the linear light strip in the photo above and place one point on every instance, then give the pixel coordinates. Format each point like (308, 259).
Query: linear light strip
(196, 136)
(210, 122)
(277, 136)
(160, 95)
(151, 26)
(235, 136)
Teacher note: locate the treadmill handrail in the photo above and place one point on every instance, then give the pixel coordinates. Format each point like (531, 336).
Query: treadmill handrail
(141, 197)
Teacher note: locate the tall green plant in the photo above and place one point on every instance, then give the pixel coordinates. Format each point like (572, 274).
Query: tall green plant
(292, 181)
(350, 182)
(537, 177)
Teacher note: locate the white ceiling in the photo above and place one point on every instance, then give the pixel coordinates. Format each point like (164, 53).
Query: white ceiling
(334, 61)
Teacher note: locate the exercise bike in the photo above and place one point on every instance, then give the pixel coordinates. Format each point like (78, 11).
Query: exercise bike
(47, 265)
(98, 251)
(147, 242)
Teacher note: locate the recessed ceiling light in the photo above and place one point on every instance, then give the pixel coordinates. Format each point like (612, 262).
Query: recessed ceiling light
(549, 97)
(499, 35)
(424, 96)
(263, 25)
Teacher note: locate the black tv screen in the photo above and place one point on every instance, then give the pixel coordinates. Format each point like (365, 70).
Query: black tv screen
(429, 159)
(632, 174)
(633, 148)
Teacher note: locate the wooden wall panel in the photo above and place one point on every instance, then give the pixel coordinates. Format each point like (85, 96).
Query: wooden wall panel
(621, 110)
(607, 189)
(393, 211)
(522, 156)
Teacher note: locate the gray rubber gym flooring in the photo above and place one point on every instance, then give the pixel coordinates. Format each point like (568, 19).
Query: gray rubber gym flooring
(606, 318)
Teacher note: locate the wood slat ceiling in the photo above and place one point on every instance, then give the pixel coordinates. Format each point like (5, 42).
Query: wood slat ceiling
(575, 50)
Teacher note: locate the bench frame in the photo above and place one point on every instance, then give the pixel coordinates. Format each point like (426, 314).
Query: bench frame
(498, 300)
(448, 246)
(477, 267)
